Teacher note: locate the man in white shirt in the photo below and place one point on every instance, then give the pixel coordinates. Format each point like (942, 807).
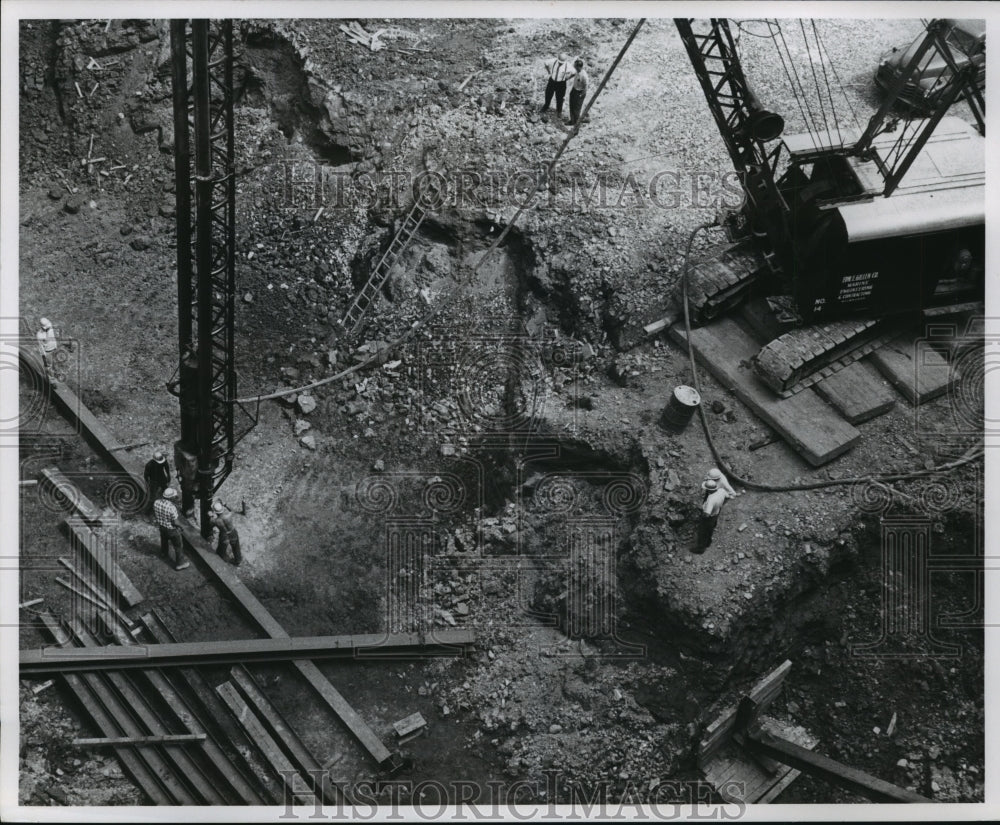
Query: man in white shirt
(710, 510)
(559, 70)
(48, 344)
(577, 91)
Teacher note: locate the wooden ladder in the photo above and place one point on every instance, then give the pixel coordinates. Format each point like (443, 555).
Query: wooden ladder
(380, 274)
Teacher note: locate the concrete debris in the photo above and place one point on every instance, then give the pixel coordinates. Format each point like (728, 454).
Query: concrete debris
(306, 403)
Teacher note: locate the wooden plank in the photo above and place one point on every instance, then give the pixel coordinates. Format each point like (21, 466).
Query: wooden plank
(268, 748)
(99, 592)
(183, 764)
(919, 372)
(763, 693)
(810, 426)
(132, 760)
(75, 499)
(164, 739)
(215, 719)
(739, 776)
(857, 392)
(93, 544)
(45, 660)
(276, 725)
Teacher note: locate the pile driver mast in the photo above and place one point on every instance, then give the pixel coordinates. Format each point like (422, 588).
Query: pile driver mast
(202, 66)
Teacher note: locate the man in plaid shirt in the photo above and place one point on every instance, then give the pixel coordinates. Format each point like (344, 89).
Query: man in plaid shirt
(165, 515)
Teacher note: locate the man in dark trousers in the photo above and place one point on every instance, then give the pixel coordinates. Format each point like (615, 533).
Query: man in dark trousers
(710, 510)
(157, 477)
(229, 538)
(165, 514)
(559, 71)
(577, 91)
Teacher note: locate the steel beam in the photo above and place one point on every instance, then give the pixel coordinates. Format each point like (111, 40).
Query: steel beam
(51, 660)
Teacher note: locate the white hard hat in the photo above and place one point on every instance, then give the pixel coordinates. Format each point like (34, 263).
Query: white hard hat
(710, 485)
(170, 492)
(46, 323)
(217, 506)
(715, 473)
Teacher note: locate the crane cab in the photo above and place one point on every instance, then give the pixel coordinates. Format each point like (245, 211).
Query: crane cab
(859, 252)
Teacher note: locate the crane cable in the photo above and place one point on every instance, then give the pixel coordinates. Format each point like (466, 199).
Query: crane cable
(812, 68)
(784, 488)
(421, 322)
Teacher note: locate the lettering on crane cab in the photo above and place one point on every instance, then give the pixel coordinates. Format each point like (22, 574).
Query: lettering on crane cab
(857, 287)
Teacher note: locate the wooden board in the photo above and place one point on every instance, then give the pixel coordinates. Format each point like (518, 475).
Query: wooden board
(266, 745)
(94, 545)
(276, 725)
(919, 372)
(763, 693)
(180, 761)
(857, 392)
(75, 499)
(89, 691)
(809, 425)
(214, 719)
(739, 777)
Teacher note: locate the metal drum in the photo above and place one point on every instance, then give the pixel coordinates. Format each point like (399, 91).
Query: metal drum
(684, 401)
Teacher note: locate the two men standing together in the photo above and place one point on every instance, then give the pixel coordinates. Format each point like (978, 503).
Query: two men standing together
(560, 74)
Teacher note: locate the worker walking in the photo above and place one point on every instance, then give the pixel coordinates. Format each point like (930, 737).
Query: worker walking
(710, 510)
(715, 474)
(166, 515)
(577, 91)
(47, 346)
(229, 538)
(559, 71)
(157, 477)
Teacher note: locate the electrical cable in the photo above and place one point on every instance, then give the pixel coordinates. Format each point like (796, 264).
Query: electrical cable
(783, 488)
(458, 290)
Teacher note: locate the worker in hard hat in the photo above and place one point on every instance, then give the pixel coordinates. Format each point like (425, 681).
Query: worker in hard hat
(710, 509)
(229, 539)
(157, 477)
(166, 515)
(721, 482)
(47, 345)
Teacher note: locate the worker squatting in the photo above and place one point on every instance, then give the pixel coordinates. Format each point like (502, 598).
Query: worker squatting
(311, 186)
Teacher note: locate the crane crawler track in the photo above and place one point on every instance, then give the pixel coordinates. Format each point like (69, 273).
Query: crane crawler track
(800, 358)
(719, 283)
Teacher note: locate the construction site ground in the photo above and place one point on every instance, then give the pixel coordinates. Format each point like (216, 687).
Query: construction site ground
(790, 575)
